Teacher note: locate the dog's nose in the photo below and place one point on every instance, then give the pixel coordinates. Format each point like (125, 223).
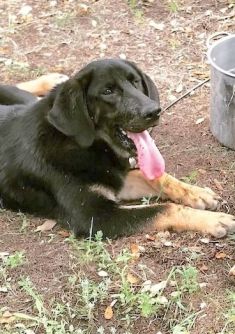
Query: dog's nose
(152, 113)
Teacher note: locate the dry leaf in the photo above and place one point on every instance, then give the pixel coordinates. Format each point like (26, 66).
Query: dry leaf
(179, 88)
(220, 255)
(102, 273)
(108, 314)
(203, 268)
(150, 237)
(135, 250)
(83, 9)
(157, 26)
(200, 120)
(132, 278)
(167, 243)
(155, 288)
(123, 56)
(202, 171)
(218, 184)
(205, 240)
(46, 226)
(7, 318)
(94, 23)
(64, 233)
(232, 271)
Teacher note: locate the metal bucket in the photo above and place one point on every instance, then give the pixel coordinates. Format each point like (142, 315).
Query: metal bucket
(221, 56)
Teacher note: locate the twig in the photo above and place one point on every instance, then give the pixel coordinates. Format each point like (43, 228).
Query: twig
(226, 17)
(187, 93)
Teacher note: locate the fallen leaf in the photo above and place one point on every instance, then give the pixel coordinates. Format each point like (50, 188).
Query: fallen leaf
(232, 271)
(94, 23)
(203, 305)
(64, 233)
(157, 26)
(220, 255)
(46, 226)
(150, 237)
(202, 171)
(83, 9)
(108, 314)
(132, 278)
(7, 318)
(203, 268)
(218, 184)
(168, 243)
(200, 120)
(146, 286)
(162, 300)
(205, 240)
(4, 254)
(155, 288)
(25, 10)
(122, 56)
(179, 88)
(135, 250)
(102, 273)
(113, 302)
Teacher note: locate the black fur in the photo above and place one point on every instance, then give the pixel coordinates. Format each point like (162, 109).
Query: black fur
(54, 150)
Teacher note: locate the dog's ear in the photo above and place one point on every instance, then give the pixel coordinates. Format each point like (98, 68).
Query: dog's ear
(150, 88)
(69, 113)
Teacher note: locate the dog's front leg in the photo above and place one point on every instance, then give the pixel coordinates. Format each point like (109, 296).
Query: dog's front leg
(92, 208)
(168, 187)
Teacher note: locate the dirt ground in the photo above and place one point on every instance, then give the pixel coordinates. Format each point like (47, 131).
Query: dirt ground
(167, 39)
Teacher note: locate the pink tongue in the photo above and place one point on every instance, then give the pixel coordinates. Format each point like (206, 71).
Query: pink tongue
(150, 160)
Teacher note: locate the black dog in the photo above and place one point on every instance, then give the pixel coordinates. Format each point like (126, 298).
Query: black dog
(66, 156)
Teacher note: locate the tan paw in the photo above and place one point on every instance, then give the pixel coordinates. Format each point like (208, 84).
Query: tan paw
(50, 80)
(200, 198)
(219, 224)
(181, 218)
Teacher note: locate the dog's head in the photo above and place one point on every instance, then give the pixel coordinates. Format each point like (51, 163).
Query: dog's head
(105, 100)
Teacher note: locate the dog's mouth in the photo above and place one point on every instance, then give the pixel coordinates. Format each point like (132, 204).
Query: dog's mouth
(150, 160)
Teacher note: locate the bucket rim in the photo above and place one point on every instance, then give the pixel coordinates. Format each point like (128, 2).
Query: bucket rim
(211, 61)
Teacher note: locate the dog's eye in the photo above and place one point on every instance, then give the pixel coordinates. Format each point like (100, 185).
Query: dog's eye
(108, 91)
(136, 82)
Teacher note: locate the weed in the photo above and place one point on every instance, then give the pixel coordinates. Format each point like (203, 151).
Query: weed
(189, 281)
(229, 326)
(63, 20)
(25, 222)
(136, 9)
(27, 286)
(173, 6)
(14, 260)
(191, 178)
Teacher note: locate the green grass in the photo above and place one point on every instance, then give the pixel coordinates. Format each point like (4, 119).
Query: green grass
(191, 178)
(136, 10)
(87, 293)
(173, 6)
(229, 327)
(14, 260)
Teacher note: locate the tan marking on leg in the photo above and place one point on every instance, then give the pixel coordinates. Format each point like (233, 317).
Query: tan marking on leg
(103, 191)
(183, 193)
(167, 187)
(135, 186)
(180, 218)
(42, 85)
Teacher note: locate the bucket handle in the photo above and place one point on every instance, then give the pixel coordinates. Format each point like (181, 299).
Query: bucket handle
(216, 36)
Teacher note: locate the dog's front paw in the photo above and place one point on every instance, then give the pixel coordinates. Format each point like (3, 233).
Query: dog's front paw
(200, 198)
(219, 224)
(182, 218)
(50, 80)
